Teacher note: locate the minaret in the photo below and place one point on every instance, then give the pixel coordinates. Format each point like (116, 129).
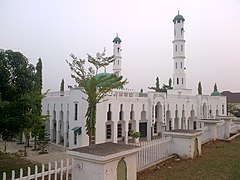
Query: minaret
(117, 64)
(179, 75)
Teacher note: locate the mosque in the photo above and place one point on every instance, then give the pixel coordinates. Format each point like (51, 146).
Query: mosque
(149, 113)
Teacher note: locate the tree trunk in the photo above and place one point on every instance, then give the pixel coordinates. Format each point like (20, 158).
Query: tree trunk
(5, 146)
(90, 127)
(25, 149)
(35, 142)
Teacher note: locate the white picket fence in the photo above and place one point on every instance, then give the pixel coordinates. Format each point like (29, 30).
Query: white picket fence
(153, 151)
(206, 135)
(56, 173)
(221, 130)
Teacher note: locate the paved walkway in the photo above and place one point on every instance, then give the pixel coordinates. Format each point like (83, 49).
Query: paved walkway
(56, 152)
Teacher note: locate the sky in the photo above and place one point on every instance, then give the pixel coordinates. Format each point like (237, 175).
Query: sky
(55, 29)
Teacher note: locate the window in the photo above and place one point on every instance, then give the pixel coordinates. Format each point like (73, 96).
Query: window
(156, 111)
(76, 111)
(182, 31)
(181, 65)
(177, 81)
(109, 113)
(182, 80)
(129, 128)
(118, 62)
(119, 130)
(108, 131)
(176, 65)
(121, 112)
(75, 138)
(131, 113)
(175, 47)
(118, 49)
(222, 109)
(155, 128)
(181, 47)
(174, 32)
(170, 125)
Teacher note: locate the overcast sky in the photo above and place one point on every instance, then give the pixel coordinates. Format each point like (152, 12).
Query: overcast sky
(54, 29)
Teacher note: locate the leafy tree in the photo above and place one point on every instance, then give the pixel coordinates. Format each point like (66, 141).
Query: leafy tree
(215, 87)
(170, 83)
(199, 88)
(95, 87)
(43, 140)
(157, 87)
(19, 89)
(233, 110)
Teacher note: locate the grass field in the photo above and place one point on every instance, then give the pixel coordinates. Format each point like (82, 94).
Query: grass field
(219, 160)
(9, 162)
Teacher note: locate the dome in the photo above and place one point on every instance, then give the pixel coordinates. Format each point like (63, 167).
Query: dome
(104, 75)
(216, 93)
(178, 18)
(117, 40)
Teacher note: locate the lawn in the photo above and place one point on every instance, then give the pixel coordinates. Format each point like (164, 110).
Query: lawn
(219, 160)
(9, 162)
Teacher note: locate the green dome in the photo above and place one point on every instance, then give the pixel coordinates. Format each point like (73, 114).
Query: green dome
(103, 75)
(117, 40)
(216, 93)
(178, 18)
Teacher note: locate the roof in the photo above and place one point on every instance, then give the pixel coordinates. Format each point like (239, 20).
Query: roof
(178, 18)
(232, 97)
(117, 40)
(105, 149)
(216, 93)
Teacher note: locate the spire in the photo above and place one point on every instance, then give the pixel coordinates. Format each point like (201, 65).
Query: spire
(178, 11)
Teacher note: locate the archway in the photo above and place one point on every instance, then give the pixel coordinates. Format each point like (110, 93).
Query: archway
(196, 151)
(122, 170)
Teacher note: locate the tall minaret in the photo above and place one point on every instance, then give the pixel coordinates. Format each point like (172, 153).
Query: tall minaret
(117, 64)
(179, 75)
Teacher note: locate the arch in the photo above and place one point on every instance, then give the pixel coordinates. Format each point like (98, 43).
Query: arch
(204, 111)
(176, 120)
(121, 170)
(169, 120)
(132, 114)
(121, 113)
(109, 113)
(196, 150)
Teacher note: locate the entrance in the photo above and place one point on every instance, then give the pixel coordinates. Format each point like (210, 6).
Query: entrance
(121, 170)
(143, 129)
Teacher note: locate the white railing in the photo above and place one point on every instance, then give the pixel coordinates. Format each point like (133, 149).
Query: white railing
(55, 173)
(153, 151)
(221, 130)
(206, 135)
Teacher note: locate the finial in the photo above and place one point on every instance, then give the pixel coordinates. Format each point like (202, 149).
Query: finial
(117, 34)
(178, 11)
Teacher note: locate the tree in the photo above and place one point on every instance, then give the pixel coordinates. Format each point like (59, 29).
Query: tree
(20, 91)
(233, 110)
(157, 87)
(215, 87)
(95, 87)
(170, 83)
(62, 86)
(43, 140)
(199, 88)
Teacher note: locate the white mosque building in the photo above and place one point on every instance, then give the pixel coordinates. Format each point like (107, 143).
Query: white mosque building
(149, 113)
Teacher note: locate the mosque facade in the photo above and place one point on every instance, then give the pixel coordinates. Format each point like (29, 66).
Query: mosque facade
(149, 113)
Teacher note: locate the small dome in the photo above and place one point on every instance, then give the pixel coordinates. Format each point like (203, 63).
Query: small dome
(178, 18)
(117, 40)
(216, 93)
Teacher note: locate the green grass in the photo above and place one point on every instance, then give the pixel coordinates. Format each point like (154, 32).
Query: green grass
(219, 160)
(9, 162)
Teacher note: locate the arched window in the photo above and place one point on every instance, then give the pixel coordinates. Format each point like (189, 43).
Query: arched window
(121, 112)
(109, 113)
(177, 81)
(131, 113)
